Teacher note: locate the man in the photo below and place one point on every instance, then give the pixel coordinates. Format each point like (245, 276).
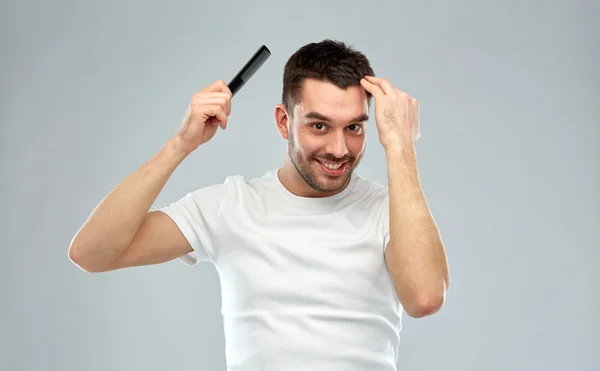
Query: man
(316, 263)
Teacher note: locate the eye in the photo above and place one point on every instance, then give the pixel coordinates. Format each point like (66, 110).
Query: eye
(318, 125)
(355, 127)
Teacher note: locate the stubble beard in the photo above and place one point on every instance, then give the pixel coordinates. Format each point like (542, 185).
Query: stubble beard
(304, 167)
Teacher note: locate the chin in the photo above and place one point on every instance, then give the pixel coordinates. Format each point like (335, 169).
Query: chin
(322, 177)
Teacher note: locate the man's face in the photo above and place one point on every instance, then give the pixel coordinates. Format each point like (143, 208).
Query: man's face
(327, 134)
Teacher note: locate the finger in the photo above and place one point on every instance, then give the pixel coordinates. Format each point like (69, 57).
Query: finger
(403, 94)
(217, 112)
(384, 84)
(218, 85)
(222, 117)
(415, 103)
(217, 98)
(227, 94)
(212, 121)
(373, 89)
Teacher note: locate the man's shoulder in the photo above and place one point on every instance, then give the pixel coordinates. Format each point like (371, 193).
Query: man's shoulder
(369, 187)
(249, 181)
(236, 183)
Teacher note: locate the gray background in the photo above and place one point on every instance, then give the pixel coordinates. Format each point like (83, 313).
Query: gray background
(510, 99)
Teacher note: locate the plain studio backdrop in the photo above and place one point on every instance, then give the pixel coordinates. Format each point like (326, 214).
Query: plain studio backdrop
(509, 162)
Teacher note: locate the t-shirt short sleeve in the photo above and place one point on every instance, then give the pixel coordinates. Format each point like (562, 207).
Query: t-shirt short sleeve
(197, 216)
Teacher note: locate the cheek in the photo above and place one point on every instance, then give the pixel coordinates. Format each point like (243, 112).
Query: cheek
(357, 144)
(309, 145)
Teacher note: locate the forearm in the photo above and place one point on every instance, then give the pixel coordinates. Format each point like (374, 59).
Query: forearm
(114, 222)
(415, 254)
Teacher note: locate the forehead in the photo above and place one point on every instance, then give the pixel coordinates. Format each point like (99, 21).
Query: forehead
(329, 100)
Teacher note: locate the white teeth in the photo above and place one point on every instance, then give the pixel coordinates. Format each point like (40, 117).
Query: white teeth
(331, 166)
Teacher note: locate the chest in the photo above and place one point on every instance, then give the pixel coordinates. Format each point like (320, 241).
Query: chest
(302, 262)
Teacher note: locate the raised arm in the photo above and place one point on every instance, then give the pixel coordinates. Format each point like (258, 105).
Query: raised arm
(121, 232)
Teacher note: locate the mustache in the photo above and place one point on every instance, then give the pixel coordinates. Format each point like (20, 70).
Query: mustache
(333, 159)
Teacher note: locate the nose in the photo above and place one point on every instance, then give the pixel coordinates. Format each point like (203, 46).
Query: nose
(337, 145)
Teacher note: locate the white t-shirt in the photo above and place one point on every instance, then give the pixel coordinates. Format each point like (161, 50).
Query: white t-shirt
(304, 281)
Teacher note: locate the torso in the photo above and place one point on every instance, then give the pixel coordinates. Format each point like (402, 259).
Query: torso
(304, 282)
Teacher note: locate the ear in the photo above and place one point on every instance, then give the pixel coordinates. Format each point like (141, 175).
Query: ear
(281, 120)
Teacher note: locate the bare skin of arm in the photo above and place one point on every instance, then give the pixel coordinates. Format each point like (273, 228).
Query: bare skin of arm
(415, 255)
(121, 232)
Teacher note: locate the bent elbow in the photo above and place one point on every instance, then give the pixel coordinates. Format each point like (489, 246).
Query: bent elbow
(425, 306)
(76, 257)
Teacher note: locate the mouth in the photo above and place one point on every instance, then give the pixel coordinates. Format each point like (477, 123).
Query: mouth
(333, 168)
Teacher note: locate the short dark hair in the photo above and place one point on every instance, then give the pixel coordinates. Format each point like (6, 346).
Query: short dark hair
(329, 60)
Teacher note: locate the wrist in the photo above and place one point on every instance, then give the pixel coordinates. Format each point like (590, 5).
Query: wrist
(401, 151)
(402, 163)
(176, 148)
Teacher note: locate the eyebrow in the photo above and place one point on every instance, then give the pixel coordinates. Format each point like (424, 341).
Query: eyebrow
(318, 116)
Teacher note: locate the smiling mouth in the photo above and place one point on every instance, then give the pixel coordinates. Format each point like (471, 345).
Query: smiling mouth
(331, 165)
(333, 168)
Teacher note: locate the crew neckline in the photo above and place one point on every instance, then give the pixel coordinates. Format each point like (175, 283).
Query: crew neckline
(274, 174)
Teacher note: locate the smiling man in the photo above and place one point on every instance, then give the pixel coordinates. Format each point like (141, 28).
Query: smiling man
(326, 137)
(316, 262)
